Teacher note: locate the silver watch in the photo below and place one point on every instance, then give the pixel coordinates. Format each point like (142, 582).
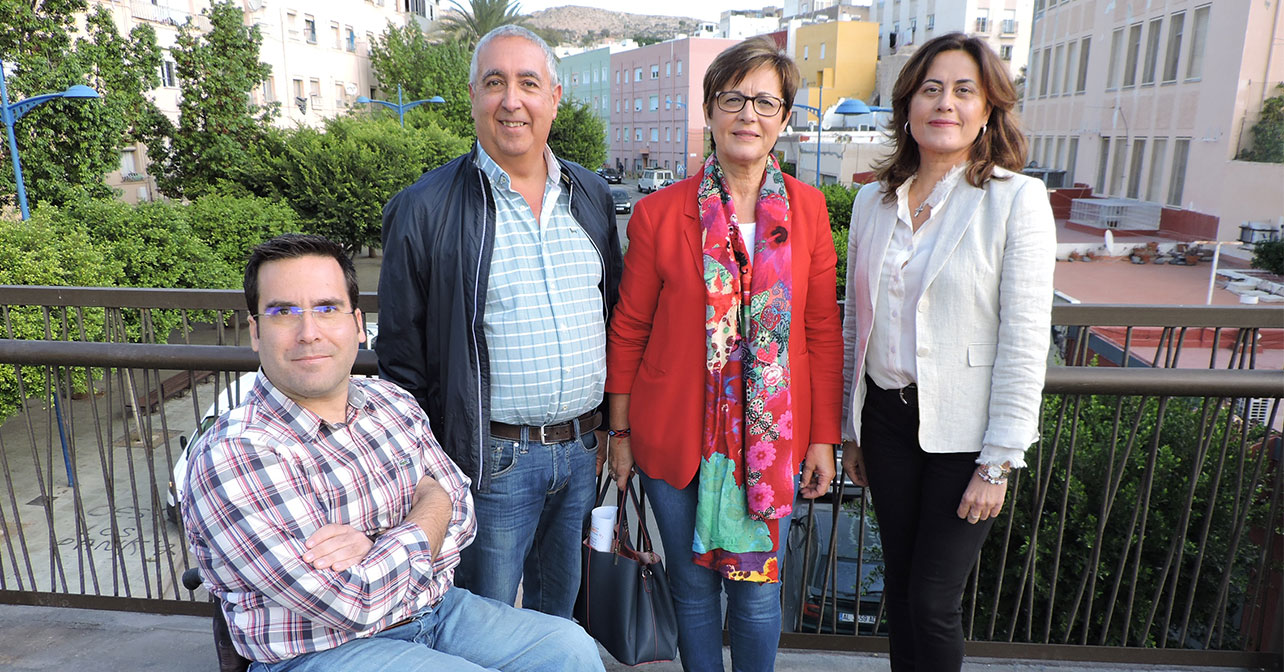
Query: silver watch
(994, 474)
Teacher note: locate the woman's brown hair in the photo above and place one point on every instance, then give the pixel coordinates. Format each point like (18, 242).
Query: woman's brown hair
(1000, 144)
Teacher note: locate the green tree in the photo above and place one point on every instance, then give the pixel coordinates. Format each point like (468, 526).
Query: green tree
(68, 145)
(338, 178)
(218, 124)
(1268, 132)
(578, 135)
(404, 57)
(1269, 256)
(838, 199)
(468, 24)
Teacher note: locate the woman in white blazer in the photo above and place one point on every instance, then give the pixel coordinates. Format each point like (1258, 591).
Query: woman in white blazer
(947, 327)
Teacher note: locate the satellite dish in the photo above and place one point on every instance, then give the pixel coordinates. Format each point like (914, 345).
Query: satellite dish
(351, 88)
(1110, 243)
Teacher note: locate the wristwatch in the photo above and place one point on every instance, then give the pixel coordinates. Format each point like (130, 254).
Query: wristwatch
(994, 474)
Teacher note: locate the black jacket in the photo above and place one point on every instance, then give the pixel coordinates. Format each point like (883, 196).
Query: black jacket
(438, 237)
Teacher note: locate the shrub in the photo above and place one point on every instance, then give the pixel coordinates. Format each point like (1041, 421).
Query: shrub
(232, 225)
(1269, 256)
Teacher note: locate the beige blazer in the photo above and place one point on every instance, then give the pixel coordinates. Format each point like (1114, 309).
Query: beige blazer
(984, 319)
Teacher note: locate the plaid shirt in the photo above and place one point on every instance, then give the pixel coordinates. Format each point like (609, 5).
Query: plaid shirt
(545, 324)
(270, 473)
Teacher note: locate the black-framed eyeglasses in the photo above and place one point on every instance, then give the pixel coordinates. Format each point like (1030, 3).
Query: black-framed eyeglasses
(288, 315)
(765, 105)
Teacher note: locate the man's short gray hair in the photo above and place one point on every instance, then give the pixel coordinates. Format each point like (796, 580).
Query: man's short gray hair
(511, 30)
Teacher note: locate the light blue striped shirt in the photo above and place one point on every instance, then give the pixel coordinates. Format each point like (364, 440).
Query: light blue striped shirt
(544, 324)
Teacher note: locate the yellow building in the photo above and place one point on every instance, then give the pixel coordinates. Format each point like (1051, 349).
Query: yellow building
(838, 59)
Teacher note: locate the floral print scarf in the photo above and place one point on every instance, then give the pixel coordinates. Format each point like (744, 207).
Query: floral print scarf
(746, 467)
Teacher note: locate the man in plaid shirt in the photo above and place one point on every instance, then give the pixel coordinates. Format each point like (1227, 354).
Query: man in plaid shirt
(323, 514)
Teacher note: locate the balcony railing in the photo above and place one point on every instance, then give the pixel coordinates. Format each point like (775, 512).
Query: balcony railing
(1147, 527)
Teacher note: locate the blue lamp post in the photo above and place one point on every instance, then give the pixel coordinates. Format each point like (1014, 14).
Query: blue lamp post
(12, 113)
(686, 135)
(399, 107)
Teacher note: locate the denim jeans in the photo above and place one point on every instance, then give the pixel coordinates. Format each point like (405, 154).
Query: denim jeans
(753, 609)
(463, 632)
(531, 524)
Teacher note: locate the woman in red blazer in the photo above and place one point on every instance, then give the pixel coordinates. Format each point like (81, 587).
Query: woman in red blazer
(724, 362)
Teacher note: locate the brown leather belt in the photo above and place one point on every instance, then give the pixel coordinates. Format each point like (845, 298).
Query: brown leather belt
(546, 434)
(405, 621)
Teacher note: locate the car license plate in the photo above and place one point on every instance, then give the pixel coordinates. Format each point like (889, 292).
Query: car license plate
(846, 617)
(865, 619)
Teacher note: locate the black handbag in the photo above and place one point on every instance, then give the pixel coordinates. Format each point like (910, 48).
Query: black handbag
(624, 600)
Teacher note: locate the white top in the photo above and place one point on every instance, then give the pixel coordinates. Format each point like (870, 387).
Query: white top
(747, 232)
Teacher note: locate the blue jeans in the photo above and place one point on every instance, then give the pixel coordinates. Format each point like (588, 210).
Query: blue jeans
(531, 524)
(753, 609)
(463, 632)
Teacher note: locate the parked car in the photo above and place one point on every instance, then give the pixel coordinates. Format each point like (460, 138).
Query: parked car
(853, 596)
(654, 178)
(611, 175)
(227, 398)
(622, 203)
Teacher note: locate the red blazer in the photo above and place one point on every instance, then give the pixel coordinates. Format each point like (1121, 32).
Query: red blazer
(656, 340)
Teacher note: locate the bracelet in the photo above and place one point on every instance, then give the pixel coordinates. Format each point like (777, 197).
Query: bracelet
(619, 433)
(994, 474)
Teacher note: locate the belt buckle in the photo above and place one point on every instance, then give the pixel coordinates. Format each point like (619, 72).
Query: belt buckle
(543, 439)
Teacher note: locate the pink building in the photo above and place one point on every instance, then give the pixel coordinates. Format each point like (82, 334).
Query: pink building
(656, 111)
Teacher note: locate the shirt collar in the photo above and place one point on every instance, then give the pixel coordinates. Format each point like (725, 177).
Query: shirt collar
(939, 193)
(304, 422)
(500, 176)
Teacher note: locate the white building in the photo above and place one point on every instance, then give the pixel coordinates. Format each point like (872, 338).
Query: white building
(319, 51)
(740, 24)
(906, 24)
(1153, 99)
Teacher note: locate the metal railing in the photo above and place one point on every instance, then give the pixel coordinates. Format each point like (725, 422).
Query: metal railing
(1147, 527)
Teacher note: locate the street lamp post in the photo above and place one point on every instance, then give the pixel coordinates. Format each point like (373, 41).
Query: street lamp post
(399, 107)
(12, 113)
(686, 135)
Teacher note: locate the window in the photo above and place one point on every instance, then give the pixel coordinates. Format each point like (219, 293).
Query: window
(668, 102)
(168, 74)
(1157, 151)
(617, 76)
(1134, 49)
(1198, 38)
(654, 103)
(1102, 163)
(637, 134)
(417, 7)
(352, 39)
(340, 95)
(1009, 22)
(626, 76)
(931, 21)
(668, 68)
(655, 71)
(1036, 145)
(605, 73)
(314, 88)
(637, 104)
(806, 51)
(1181, 151)
(1032, 74)
(298, 88)
(679, 68)
(334, 33)
(1134, 170)
(1059, 159)
(1151, 59)
(1072, 156)
(1082, 84)
(1072, 60)
(637, 74)
(655, 135)
(982, 20)
(617, 135)
(1058, 65)
(1175, 25)
(1005, 52)
(128, 166)
(617, 106)
(310, 29)
(595, 79)
(822, 49)
(292, 23)
(1116, 169)
(1043, 73)
(268, 90)
(626, 133)
(668, 134)
(1116, 49)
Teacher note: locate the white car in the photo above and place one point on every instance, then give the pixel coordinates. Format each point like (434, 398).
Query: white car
(654, 178)
(226, 400)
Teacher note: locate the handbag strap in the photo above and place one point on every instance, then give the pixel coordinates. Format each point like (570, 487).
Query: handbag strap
(643, 542)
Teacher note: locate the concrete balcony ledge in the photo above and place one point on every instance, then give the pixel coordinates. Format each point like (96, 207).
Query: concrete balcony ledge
(51, 638)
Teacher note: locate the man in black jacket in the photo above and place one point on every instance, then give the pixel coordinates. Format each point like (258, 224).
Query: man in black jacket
(500, 270)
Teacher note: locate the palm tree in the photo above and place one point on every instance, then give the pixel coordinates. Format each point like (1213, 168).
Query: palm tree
(469, 24)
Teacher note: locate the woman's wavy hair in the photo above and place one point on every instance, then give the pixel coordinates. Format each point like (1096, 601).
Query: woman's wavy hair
(1002, 144)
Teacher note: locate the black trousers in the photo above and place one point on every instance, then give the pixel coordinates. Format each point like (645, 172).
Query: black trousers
(928, 550)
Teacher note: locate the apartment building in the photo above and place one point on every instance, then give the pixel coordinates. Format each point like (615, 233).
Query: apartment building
(586, 78)
(319, 51)
(740, 24)
(656, 104)
(837, 59)
(905, 24)
(1153, 100)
